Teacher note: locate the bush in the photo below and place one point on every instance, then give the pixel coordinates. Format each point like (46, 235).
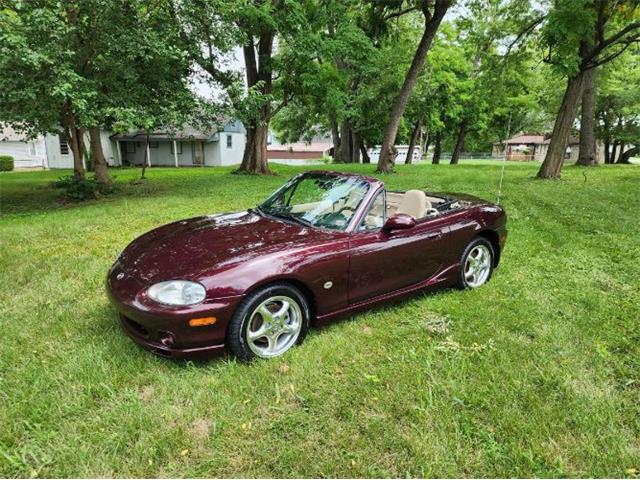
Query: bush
(6, 163)
(82, 189)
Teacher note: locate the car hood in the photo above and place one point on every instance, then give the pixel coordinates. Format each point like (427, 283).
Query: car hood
(199, 247)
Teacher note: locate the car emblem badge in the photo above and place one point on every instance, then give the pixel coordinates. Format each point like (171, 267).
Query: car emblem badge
(328, 285)
(120, 276)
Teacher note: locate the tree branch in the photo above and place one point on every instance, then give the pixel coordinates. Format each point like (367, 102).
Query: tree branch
(399, 13)
(525, 32)
(628, 42)
(600, 46)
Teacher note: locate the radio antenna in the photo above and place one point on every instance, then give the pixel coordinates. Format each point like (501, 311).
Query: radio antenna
(504, 159)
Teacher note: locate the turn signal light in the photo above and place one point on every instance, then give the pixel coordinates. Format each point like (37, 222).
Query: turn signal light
(200, 322)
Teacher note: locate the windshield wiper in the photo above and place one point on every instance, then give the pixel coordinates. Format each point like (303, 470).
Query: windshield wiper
(290, 216)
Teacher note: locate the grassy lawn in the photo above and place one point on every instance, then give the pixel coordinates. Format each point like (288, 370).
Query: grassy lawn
(535, 374)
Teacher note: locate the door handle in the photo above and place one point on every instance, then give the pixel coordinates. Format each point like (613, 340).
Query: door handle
(433, 235)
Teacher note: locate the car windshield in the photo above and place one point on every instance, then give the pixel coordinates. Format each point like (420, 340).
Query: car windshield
(318, 200)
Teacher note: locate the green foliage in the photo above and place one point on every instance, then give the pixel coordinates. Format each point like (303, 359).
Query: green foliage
(81, 190)
(6, 163)
(118, 65)
(534, 375)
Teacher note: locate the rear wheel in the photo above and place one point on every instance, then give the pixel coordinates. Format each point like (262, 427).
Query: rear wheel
(269, 322)
(476, 263)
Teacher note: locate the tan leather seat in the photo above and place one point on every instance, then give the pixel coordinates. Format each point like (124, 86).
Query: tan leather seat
(414, 203)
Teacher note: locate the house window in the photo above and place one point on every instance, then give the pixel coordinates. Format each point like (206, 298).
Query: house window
(179, 144)
(130, 147)
(154, 144)
(229, 141)
(64, 145)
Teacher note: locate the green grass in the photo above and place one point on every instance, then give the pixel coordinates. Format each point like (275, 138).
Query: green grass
(535, 374)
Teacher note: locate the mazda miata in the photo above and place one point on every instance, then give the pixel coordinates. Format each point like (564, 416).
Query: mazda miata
(324, 245)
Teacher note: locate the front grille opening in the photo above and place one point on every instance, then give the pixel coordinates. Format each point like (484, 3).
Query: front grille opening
(161, 352)
(136, 327)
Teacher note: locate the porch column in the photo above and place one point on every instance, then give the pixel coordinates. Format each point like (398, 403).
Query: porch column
(119, 151)
(175, 153)
(148, 154)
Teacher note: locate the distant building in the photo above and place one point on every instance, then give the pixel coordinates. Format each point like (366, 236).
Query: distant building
(524, 147)
(374, 154)
(46, 151)
(186, 147)
(299, 152)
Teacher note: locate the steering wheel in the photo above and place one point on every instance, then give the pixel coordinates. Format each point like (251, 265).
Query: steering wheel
(351, 209)
(334, 218)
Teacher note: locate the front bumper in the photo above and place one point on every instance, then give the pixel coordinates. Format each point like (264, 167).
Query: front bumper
(196, 353)
(165, 330)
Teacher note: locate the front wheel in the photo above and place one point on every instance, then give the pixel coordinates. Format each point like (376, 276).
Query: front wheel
(476, 264)
(269, 322)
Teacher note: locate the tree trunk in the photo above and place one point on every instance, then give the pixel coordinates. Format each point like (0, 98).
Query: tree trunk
(625, 157)
(254, 159)
(432, 22)
(335, 135)
(587, 155)
(437, 149)
(614, 150)
(355, 147)
(554, 158)
(346, 147)
(427, 144)
(365, 154)
(97, 155)
(457, 151)
(258, 72)
(145, 159)
(412, 142)
(74, 139)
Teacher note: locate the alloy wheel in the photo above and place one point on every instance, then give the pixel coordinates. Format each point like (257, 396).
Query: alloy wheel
(274, 326)
(477, 266)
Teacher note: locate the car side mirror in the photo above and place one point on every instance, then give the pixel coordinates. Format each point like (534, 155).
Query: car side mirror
(399, 222)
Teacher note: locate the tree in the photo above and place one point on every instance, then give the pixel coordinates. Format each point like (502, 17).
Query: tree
(582, 35)
(213, 28)
(618, 107)
(92, 64)
(433, 12)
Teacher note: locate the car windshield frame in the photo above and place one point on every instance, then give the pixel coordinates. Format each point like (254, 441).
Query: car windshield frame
(348, 183)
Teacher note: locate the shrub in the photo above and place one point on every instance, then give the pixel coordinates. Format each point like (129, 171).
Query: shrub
(6, 163)
(82, 189)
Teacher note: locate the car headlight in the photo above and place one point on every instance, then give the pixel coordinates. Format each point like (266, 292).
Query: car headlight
(177, 292)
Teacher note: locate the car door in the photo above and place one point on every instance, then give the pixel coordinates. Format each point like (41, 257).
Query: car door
(382, 262)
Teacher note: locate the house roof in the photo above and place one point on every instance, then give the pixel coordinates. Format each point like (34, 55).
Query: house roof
(9, 134)
(572, 141)
(186, 132)
(300, 147)
(526, 139)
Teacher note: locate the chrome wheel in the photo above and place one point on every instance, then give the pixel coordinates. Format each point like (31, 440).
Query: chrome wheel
(477, 266)
(274, 326)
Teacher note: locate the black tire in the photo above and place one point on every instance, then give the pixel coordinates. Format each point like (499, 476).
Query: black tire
(463, 282)
(236, 334)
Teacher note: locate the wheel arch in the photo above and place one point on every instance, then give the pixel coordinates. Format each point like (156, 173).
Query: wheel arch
(493, 238)
(294, 282)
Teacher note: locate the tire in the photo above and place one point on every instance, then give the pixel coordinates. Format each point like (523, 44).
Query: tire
(263, 327)
(483, 270)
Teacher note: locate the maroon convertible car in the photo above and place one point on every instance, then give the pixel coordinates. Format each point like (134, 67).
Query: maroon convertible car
(324, 245)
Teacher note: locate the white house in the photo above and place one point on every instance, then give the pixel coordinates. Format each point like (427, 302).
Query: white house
(47, 151)
(187, 147)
